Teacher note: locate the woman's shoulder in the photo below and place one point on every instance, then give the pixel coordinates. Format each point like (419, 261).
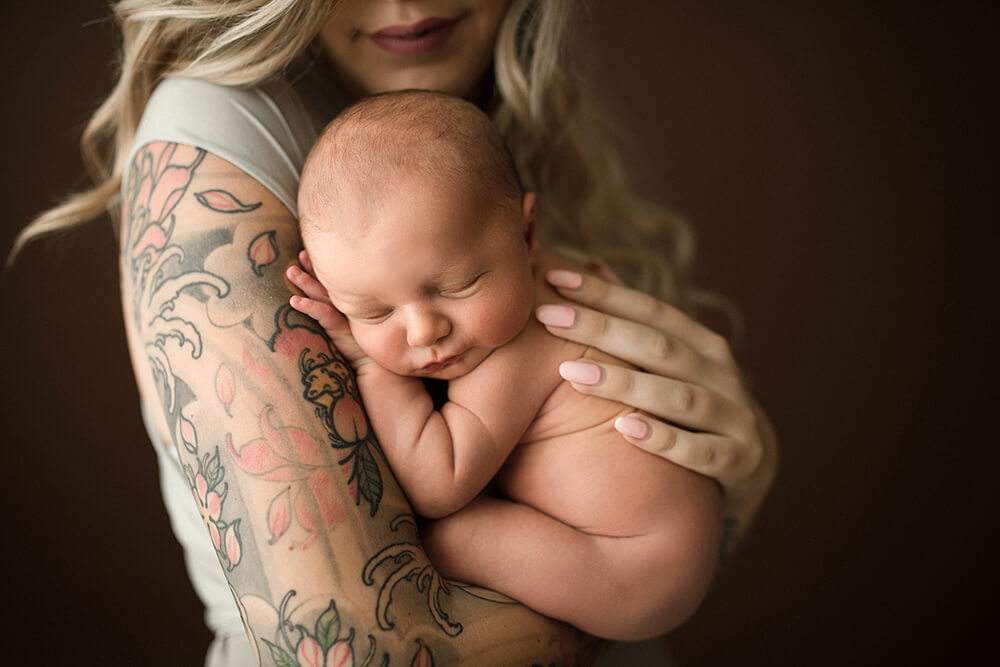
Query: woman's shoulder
(265, 130)
(216, 111)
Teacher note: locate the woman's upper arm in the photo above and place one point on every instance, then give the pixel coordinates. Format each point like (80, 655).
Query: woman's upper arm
(307, 520)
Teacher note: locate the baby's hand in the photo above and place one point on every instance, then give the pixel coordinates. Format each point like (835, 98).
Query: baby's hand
(316, 304)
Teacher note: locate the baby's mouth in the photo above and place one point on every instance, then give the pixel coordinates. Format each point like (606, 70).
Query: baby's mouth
(435, 366)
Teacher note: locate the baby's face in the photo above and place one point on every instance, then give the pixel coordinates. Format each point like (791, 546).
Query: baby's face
(435, 282)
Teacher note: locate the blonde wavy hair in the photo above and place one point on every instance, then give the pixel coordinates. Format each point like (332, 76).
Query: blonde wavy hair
(550, 126)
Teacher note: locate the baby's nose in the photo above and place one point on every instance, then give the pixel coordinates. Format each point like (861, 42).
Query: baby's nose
(426, 328)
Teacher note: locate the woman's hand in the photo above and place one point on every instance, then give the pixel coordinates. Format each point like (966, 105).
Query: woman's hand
(316, 304)
(697, 410)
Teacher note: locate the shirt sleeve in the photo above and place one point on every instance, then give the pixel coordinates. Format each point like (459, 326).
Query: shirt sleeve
(265, 131)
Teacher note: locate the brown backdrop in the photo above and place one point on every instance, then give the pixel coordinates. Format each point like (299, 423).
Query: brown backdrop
(833, 157)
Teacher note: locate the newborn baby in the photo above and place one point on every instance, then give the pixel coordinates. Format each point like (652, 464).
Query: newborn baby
(419, 234)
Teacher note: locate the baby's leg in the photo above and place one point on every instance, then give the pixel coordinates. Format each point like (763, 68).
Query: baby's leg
(613, 587)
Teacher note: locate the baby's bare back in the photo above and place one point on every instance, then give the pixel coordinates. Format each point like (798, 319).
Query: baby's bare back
(572, 465)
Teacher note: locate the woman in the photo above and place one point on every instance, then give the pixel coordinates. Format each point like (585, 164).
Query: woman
(250, 408)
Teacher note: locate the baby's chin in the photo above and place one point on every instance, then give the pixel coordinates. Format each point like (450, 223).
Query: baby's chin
(446, 374)
(449, 372)
(462, 364)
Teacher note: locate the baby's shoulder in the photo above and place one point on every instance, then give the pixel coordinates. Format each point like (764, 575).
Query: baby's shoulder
(543, 350)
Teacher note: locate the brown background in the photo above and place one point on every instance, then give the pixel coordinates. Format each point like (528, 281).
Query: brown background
(834, 157)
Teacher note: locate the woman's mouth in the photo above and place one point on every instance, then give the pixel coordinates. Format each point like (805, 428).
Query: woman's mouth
(415, 39)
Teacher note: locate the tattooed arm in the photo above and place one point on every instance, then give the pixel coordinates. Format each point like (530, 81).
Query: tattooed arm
(315, 536)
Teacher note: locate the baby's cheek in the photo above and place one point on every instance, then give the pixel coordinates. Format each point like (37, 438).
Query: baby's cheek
(502, 320)
(378, 345)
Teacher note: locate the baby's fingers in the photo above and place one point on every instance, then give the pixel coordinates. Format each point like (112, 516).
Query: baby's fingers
(326, 315)
(306, 262)
(305, 281)
(333, 323)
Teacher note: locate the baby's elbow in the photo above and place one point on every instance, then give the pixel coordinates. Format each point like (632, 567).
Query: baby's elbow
(436, 502)
(431, 509)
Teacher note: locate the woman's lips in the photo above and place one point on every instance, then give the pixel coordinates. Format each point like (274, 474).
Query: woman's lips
(414, 39)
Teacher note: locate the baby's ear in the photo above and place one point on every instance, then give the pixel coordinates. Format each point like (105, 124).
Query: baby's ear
(529, 221)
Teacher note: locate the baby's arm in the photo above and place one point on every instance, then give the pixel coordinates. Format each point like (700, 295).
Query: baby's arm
(446, 457)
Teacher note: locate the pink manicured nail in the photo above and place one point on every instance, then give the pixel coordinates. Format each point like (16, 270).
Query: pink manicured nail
(556, 316)
(580, 372)
(632, 427)
(560, 278)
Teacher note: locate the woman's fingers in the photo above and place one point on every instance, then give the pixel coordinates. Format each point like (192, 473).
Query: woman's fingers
(601, 269)
(696, 411)
(608, 299)
(688, 405)
(698, 428)
(718, 456)
(634, 342)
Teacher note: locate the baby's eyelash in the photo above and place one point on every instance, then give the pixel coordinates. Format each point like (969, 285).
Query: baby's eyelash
(457, 291)
(373, 318)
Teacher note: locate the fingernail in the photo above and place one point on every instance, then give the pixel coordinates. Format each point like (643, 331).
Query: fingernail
(556, 316)
(632, 427)
(580, 372)
(560, 278)
(292, 271)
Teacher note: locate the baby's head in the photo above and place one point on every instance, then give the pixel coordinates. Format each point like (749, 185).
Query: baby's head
(416, 224)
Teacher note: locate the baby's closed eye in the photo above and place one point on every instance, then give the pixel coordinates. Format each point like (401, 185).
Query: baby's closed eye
(372, 317)
(462, 289)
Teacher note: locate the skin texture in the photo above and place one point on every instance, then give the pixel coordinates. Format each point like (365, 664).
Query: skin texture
(316, 539)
